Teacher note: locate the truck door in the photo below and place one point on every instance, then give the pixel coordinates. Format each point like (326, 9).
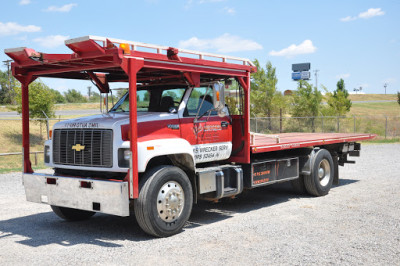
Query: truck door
(209, 134)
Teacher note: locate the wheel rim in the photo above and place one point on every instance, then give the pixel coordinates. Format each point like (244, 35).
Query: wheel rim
(170, 201)
(324, 172)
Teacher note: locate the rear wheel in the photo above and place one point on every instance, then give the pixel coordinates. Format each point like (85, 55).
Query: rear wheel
(319, 182)
(165, 201)
(71, 214)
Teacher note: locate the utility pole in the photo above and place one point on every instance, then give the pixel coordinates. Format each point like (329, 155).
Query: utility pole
(89, 88)
(10, 89)
(385, 85)
(316, 77)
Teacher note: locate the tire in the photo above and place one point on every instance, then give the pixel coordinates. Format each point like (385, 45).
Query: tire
(298, 185)
(72, 214)
(319, 182)
(165, 201)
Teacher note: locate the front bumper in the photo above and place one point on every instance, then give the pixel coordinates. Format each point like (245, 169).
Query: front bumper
(104, 196)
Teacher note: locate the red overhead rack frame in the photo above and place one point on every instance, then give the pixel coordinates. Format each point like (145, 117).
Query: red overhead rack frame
(101, 60)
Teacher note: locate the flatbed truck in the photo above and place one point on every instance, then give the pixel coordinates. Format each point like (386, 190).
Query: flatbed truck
(169, 142)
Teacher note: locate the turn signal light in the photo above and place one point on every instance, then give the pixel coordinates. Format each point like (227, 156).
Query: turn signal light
(50, 133)
(125, 47)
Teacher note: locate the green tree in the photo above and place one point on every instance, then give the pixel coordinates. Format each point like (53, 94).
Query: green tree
(121, 92)
(57, 96)
(7, 93)
(338, 101)
(94, 97)
(40, 100)
(307, 102)
(264, 97)
(146, 97)
(398, 98)
(74, 96)
(232, 98)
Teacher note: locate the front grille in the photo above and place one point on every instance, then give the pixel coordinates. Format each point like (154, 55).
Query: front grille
(83, 147)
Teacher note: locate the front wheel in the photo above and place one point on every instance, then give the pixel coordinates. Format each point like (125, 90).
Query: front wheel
(165, 201)
(319, 182)
(71, 214)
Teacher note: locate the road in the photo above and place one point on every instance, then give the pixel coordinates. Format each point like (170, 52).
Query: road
(357, 223)
(60, 112)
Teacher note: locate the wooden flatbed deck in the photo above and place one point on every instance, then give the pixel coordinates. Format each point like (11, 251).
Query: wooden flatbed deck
(284, 141)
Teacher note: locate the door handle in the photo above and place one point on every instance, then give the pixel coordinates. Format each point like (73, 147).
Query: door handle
(224, 124)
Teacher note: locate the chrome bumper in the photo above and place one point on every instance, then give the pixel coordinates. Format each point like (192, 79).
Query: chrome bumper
(109, 197)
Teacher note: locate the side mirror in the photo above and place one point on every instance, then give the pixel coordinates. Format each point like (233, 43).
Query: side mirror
(219, 96)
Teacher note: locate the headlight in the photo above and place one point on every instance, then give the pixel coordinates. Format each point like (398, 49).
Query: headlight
(47, 154)
(124, 156)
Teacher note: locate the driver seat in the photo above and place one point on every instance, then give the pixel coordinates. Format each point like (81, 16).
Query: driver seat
(166, 103)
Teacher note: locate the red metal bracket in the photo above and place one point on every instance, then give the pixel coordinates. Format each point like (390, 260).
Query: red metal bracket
(192, 77)
(101, 81)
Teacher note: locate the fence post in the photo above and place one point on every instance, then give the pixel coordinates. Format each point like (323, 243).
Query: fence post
(280, 120)
(322, 118)
(338, 125)
(354, 117)
(36, 158)
(386, 126)
(255, 117)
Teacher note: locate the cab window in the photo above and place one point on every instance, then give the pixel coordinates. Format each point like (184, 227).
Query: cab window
(200, 102)
(152, 100)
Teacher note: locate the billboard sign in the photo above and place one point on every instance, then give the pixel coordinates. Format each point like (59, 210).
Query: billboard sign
(296, 75)
(305, 75)
(301, 67)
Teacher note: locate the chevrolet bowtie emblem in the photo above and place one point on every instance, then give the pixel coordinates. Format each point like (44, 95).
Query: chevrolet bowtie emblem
(78, 147)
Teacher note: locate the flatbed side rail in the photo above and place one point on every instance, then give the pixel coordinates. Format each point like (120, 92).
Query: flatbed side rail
(266, 143)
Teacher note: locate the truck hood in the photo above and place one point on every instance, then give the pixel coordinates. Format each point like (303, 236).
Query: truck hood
(111, 120)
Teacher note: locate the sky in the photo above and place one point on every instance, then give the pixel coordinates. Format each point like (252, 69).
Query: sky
(357, 40)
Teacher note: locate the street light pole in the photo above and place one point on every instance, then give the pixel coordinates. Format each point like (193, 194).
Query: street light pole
(316, 78)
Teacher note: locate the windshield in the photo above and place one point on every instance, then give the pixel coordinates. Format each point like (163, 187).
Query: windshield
(152, 100)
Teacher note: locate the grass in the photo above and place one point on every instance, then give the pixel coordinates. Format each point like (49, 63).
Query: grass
(77, 106)
(383, 108)
(373, 97)
(381, 140)
(58, 107)
(11, 140)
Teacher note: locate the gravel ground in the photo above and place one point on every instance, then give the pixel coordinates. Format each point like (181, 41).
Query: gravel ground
(357, 223)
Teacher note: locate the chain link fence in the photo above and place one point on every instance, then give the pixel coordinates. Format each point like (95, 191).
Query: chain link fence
(383, 126)
(11, 136)
(11, 142)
